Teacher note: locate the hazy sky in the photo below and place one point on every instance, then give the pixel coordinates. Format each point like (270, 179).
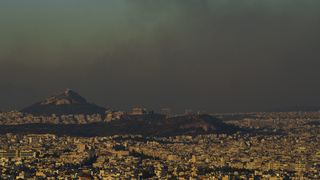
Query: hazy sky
(218, 56)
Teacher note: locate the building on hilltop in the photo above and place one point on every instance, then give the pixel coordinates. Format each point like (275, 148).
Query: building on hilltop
(139, 111)
(166, 112)
(189, 112)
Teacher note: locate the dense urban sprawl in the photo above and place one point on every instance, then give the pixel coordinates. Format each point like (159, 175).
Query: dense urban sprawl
(279, 146)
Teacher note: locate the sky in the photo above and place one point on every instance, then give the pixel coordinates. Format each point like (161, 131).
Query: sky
(217, 56)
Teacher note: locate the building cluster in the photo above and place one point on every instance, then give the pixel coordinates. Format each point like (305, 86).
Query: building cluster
(273, 120)
(16, 117)
(286, 149)
(142, 111)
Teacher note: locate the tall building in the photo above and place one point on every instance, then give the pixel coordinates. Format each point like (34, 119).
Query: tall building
(194, 159)
(139, 111)
(81, 147)
(166, 112)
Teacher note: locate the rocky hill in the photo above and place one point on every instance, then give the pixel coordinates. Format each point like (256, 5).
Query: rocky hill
(67, 102)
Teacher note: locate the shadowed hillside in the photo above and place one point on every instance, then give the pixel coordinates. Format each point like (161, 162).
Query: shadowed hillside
(182, 125)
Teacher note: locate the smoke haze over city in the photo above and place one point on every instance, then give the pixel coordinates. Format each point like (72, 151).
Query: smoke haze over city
(218, 56)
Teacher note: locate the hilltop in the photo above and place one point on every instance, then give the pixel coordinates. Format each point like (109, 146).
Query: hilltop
(66, 102)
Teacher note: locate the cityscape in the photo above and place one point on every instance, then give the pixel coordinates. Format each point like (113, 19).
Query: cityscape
(159, 90)
(273, 145)
(265, 145)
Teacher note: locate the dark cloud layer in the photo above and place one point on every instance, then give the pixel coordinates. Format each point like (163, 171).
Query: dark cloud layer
(219, 56)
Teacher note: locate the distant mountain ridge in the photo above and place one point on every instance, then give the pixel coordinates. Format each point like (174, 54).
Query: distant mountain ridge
(66, 102)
